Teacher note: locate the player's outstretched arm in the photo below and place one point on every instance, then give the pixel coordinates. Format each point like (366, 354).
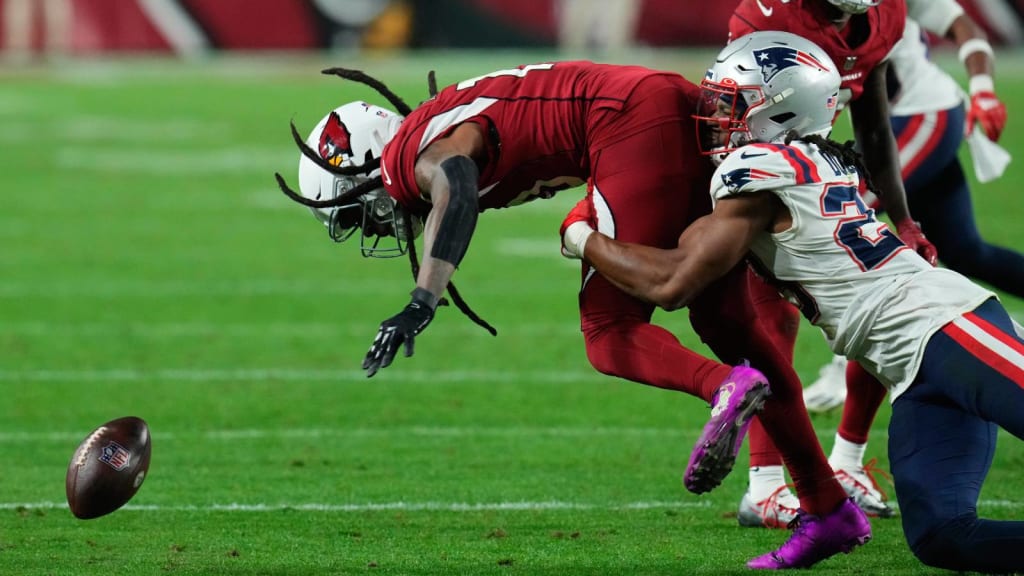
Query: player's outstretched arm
(707, 249)
(446, 174)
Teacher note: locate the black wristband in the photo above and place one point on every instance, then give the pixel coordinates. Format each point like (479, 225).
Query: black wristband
(425, 296)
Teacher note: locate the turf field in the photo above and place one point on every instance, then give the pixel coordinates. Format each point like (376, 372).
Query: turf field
(150, 267)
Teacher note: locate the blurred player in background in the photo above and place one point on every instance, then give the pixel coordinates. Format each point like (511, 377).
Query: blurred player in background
(930, 115)
(602, 25)
(858, 35)
(521, 134)
(943, 346)
(19, 17)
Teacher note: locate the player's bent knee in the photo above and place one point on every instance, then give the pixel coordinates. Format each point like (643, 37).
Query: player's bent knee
(948, 546)
(600, 352)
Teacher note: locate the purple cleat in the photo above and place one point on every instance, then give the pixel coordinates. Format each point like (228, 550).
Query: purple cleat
(735, 402)
(817, 538)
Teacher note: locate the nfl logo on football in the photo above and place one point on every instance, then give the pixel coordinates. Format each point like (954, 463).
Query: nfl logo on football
(115, 456)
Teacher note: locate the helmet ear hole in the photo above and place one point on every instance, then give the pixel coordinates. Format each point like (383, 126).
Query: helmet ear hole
(782, 118)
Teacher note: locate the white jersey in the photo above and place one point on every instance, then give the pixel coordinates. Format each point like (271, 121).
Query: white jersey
(923, 86)
(875, 300)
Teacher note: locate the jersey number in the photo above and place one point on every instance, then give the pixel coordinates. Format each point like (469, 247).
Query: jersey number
(869, 242)
(518, 72)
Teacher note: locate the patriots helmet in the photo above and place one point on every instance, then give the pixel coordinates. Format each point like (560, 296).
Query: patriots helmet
(766, 87)
(341, 156)
(854, 6)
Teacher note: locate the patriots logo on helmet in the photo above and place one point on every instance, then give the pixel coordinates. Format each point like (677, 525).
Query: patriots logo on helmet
(335, 141)
(737, 179)
(775, 59)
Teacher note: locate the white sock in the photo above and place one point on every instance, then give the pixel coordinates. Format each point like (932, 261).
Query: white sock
(764, 480)
(847, 455)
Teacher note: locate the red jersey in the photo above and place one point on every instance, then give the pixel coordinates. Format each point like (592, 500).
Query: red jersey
(541, 121)
(807, 18)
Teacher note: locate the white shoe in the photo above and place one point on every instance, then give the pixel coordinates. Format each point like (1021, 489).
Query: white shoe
(861, 486)
(829, 390)
(775, 511)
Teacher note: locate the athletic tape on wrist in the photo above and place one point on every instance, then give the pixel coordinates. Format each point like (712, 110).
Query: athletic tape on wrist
(576, 236)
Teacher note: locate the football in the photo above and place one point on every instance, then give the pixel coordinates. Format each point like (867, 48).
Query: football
(108, 467)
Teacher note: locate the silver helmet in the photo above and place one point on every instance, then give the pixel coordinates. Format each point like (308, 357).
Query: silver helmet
(765, 87)
(854, 6)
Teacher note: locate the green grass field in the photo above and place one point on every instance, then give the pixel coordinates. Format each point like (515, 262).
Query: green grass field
(150, 267)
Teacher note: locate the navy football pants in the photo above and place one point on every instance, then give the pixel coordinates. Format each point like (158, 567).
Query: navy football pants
(942, 436)
(939, 198)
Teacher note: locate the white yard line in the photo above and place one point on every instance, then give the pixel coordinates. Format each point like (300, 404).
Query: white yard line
(549, 506)
(249, 330)
(364, 432)
(291, 375)
(522, 506)
(553, 505)
(129, 287)
(173, 162)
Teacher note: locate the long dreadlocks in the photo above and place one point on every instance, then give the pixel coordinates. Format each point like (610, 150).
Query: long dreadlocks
(370, 164)
(845, 152)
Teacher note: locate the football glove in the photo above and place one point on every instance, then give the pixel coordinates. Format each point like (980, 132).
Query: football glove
(988, 112)
(913, 237)
(402, 328)
(577, 227)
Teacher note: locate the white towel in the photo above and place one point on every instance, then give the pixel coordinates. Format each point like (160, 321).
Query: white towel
(990, 159)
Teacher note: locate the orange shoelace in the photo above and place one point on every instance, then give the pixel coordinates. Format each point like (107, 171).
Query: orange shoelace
(870, 469)
(770, 506)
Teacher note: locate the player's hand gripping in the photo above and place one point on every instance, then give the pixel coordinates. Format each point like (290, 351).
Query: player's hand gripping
(913, 237)
(988, 112)
(577, 227)
(402, 328)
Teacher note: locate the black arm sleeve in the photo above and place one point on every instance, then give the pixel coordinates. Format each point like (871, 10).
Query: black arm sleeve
(459, 219)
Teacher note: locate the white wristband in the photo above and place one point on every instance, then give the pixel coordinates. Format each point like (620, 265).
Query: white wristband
(975, 45)
(575, 238)
(981, 83)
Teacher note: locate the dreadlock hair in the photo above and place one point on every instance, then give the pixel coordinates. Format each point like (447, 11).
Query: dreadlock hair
(431, 84)
(371, 184)
(845, 152)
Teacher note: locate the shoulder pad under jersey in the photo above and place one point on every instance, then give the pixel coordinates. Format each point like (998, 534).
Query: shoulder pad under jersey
(757, 167)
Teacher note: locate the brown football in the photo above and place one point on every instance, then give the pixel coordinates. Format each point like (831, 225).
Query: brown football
(108, 467)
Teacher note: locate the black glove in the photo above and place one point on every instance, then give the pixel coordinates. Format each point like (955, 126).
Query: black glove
(402, 327)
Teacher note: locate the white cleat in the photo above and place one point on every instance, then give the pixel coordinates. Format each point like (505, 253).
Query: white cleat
(861, 486)
(829, 390)
(775, 511)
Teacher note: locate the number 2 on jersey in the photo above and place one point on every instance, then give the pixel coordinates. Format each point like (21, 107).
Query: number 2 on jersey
(869, 242)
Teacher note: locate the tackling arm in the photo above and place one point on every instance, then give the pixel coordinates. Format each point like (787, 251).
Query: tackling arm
(707, 249)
